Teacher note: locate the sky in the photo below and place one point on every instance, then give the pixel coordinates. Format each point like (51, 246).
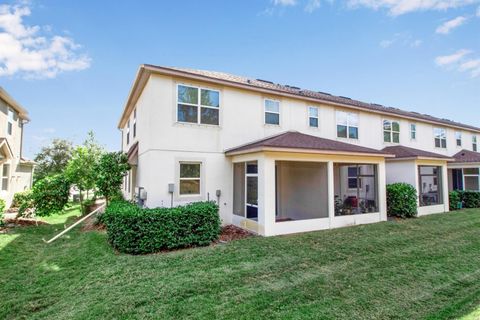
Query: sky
(72, 63)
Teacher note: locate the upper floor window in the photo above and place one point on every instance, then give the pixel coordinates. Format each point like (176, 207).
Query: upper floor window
(440, 137)
(134, 123)
(474, 143)
(413, 131)
(391, 131)
(313, 117)
(272, 112)
(458, 138)
(190, 178)
(198, 105)
(128, 132)
(10, 121)
(347, 125)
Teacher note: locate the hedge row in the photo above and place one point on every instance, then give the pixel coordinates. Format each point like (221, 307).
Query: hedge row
(134, 230)
(468, 199)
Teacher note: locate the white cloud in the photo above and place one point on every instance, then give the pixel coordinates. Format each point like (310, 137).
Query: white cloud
(449, 25)
(312, 5)
(472, 66)
(24, 50)
(478, 12)
(453, 58)
(458, 62)
(284, 2)
(399, 7)
(402, 39)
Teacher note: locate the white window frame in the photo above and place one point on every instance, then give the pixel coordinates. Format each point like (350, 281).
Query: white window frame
(413, 131)
(391, 131)
(443, 137)
(134, 123)
(6, 177)
(271, 112)
(247, 175)
(309, 109)
(458, 137)
(348, 124)
(180, 179)
(199, 105)
(128, 132)
(474, 144)
(470, 175)
(10, 121)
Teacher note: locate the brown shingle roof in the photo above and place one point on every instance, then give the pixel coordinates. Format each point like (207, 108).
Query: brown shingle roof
(465, 156)
(402, 152)
(321, 96)
(297, 140)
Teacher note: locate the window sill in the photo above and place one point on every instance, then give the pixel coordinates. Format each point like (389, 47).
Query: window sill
(197, 125)
(270, 125)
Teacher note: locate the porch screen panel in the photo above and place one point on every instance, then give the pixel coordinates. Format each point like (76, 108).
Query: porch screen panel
(430, 179)
(356, 189)
(239, 189)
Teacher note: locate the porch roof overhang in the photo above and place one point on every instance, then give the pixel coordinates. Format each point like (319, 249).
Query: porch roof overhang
(297, 142)
(132, 154)
(403, 153)
(5, 150)
(466, 157)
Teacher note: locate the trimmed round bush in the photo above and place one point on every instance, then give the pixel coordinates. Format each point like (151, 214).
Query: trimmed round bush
(401, 200)
(134, 230)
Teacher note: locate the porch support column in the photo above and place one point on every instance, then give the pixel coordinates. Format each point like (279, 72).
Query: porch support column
(446, 198)
(331, 193)
(266, 194)
(382, 191)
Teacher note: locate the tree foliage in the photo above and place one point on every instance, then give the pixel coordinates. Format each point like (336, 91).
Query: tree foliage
(52, 159)
(50, 194)
(401, 200)
(80, 170)
(109, 173)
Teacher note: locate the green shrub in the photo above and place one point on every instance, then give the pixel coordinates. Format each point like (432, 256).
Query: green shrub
(50, 195)
(22, 201)
(133, 230)
(401, 200)
(455, 200)
(2, 209)
(470, 199)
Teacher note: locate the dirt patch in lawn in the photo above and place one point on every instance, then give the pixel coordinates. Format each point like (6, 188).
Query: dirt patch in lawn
(91, 224)
(231, 233)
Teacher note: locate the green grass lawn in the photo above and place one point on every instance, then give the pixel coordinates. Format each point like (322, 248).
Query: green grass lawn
(426, 268)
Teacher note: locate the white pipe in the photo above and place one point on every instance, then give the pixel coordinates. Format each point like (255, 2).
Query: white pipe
(75, 224)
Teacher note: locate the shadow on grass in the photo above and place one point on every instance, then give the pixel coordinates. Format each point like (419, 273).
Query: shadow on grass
(425, 268)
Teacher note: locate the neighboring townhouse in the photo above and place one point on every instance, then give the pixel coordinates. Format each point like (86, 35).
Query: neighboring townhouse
(279, 159)
(17, 172)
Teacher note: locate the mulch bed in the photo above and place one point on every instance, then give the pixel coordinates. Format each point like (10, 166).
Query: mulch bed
(231, 233)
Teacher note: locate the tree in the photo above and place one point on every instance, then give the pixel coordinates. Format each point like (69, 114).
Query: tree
(50, 194)
(109, 173)
(52, 159)
(80, 170)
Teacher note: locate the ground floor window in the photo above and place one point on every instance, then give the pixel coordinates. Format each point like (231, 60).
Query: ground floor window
(430, 180)
(471, 178)
(189, 178)
(245, 189)
(5, 176)
(356, 190)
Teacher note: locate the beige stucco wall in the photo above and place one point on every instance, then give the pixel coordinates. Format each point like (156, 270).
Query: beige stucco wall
(20, 174)
(164, 141)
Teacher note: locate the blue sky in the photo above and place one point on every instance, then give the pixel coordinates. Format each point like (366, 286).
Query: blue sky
(72, 63)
